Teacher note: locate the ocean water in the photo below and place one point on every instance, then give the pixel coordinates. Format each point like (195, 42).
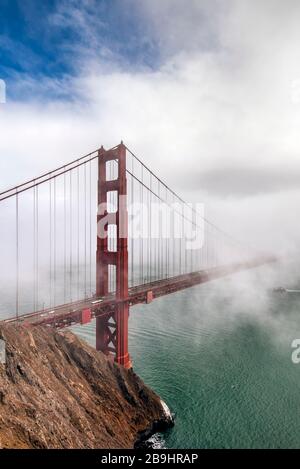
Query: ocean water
(219, 355)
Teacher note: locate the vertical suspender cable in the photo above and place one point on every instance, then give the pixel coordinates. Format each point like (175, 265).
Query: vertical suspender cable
(148, 237)
(132, 232)
(159, 231)
(71, 240)
(180, 232)
(34, 249)
(17, 255)
(78, 242)
(85, 236)
(173, 237)
(185, 243)
(150, 230)
(54, 243)
(37, 247)
(65, 239)
(192, 251)
(90, 184)
(50, 241)
(155, 245)
(168, 239)
(142, 225)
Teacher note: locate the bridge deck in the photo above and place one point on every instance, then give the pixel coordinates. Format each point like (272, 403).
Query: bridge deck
(72, 313)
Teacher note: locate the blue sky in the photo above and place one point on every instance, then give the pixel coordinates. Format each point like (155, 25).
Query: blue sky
(55, 38)
(208, 95)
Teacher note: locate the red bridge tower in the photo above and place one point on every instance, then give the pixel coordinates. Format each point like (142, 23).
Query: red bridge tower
(112, 330)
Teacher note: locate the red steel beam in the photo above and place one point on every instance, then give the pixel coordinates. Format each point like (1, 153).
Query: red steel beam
(104, 307)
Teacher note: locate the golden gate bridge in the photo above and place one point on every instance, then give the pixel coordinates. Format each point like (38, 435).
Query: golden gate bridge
(96, 236)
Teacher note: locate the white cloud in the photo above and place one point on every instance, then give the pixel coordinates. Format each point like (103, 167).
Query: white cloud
(221, 99)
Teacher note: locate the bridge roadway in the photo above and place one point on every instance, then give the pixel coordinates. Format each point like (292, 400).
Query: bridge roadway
(83, 311)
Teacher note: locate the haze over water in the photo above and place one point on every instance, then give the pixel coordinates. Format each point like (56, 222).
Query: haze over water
(220, 356)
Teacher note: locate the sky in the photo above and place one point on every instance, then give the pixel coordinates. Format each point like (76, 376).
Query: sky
(206, 92)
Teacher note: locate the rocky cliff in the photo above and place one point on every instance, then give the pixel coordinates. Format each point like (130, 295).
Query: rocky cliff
(58, 392)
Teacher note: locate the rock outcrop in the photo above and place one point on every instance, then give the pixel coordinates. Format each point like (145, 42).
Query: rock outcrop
(58, 392)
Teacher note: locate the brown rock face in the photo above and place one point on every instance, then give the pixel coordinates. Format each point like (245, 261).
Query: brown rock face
(58, 392)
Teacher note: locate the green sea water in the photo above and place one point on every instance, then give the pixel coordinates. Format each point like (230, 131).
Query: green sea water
(219, 355)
